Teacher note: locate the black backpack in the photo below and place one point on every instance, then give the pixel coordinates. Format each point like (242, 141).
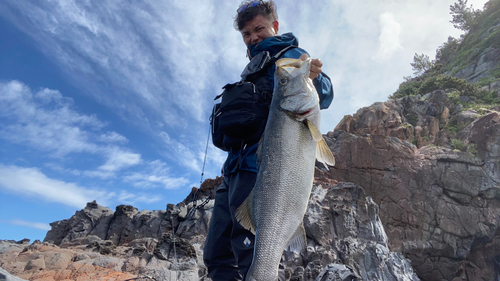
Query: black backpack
(240, 118)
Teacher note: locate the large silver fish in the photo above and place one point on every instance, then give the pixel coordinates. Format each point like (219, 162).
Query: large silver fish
(275, 209)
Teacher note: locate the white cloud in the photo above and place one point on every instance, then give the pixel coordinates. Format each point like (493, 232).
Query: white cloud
(119, 159)
(37, 225)
(59, 168)
(157, 174)
(33, 183)
(181, 153)
(133, 198)
(389, 41)
(44, 120)
(112, 137)
(99, 174)
(47, 121)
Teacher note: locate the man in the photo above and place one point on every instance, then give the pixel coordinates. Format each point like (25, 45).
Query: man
(228, 250)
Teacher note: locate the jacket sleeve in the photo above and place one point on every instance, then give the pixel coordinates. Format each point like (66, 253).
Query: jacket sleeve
(322, 83)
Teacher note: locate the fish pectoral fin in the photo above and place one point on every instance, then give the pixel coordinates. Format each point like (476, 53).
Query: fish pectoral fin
(244, 214)
(324, 154)
(299, 240)
(315, 133)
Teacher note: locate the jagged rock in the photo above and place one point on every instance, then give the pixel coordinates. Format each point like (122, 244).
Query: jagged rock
(122, 217)
(171, 247)
(415, 119)
(93, 219)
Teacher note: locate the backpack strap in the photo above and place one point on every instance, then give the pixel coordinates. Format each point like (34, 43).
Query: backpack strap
(278, 55)
(268, 64)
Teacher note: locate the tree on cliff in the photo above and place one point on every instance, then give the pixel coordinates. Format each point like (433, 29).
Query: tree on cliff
(421, 63)
(464, 17)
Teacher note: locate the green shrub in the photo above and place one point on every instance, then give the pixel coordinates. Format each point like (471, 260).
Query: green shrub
(407, 88)
(412, 118)
(472, 148)
(457, 144)
(432, 83)
(452, 129)
(441, 82)
(487, 97)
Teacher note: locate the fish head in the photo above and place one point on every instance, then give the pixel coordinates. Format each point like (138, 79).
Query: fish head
(294, 90)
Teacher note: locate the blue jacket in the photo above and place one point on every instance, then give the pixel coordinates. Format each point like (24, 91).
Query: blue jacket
(246, 159)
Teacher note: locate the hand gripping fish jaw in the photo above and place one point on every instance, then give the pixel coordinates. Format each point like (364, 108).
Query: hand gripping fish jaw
(295, 90)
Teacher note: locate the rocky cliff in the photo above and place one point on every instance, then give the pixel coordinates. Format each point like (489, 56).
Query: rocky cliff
(415, 194)
(438, 191)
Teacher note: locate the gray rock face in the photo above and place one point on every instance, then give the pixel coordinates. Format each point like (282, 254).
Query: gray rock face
(92, 220)
(489, 60)
(343, 227)
(439, 207)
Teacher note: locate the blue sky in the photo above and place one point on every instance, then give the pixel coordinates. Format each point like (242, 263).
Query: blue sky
(109, 100)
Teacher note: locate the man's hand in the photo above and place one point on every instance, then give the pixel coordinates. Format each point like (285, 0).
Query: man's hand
(316, 65)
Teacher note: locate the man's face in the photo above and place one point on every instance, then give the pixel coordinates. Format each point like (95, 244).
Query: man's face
(258, 29)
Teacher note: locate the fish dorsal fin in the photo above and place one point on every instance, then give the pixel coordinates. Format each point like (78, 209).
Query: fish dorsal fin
(298, 241)
(323, 152)
(244, 214)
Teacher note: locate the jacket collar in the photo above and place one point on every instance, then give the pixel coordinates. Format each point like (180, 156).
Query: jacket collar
(273, 44)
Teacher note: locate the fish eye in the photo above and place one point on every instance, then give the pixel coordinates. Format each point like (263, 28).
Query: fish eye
(283, 81)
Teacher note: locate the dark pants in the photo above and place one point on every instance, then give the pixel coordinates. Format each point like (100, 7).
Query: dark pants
(228, 249)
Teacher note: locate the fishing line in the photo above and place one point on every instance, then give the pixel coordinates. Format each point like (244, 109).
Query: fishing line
(205, 159)
(195, 195)
(174, 265)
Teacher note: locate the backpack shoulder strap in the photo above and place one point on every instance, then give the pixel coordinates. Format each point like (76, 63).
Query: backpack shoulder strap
(269, 63)
(278, 55)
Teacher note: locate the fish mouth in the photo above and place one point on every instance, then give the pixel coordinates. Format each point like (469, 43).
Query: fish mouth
(302, 114)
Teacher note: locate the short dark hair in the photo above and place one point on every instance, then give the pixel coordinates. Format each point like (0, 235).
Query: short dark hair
(266, 9)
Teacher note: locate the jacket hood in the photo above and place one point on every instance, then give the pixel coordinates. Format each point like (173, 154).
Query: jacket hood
(273, 44)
